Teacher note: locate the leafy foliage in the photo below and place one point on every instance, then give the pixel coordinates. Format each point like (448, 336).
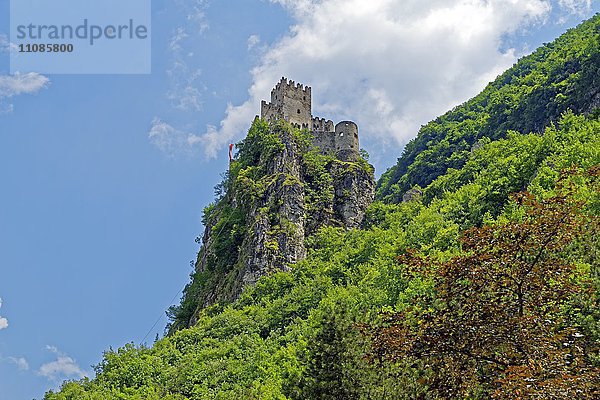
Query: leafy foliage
(464, 292)
(495, 322)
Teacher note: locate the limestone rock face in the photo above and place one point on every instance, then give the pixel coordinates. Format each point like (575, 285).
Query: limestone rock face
(281, 220)
(277, 239)
(293, 202)
(354, 192)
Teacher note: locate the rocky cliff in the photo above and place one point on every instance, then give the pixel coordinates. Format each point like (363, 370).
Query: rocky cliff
(280, 189)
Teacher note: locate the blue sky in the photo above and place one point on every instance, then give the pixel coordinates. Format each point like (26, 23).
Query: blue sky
(103, 177)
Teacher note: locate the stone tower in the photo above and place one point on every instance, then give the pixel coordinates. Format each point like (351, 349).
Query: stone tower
(293, 103)
(346, 140)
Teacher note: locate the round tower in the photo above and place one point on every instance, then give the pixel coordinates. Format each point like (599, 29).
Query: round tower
(346, 141)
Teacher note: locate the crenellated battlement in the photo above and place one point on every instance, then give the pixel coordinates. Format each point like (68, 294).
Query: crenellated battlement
(284, 84)
(322, 125)
(292, 102)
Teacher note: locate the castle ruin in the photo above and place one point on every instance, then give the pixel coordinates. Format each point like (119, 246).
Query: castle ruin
(292, 103)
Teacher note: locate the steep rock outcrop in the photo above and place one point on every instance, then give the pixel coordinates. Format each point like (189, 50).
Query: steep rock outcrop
(280, 190)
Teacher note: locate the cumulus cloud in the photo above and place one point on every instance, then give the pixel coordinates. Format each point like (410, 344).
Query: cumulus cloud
(578, 7)
(61, 368)
(5, 44)
(391, 65)
(253, 40)
(18, 84)
(172, 141)
(20, 362)
(3, 321)
(185, 88)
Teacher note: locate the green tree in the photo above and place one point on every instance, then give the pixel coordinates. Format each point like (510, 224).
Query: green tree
(496, 326)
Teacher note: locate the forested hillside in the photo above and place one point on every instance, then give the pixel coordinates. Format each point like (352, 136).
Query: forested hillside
(486, 285)
(563, 75)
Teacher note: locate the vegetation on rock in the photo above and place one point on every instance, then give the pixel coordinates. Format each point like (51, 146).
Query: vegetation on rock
(279, 189)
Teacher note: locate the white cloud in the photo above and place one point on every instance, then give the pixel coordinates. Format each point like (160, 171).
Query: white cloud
(253, 40)
(390, 65)
(170, 140)
(17, 84)
(184, 92)
(13, 85)
(196, 14)
(175, 42)
(20, 362)
(3, 321)
(578, 7)
(5, 45)
(185, 89)
(61, 368)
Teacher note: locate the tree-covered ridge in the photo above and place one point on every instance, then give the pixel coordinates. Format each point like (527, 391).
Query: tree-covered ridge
(462, 292)
(305, 334)
(562, 75)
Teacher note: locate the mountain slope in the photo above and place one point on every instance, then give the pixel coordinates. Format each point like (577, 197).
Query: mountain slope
(562, 75)
(297, 335)
(366, 314)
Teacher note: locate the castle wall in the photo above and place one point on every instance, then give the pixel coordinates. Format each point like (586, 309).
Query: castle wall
(270, 111)
(292, 102)
(322, 125)
(325, 140)
(324, 134)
